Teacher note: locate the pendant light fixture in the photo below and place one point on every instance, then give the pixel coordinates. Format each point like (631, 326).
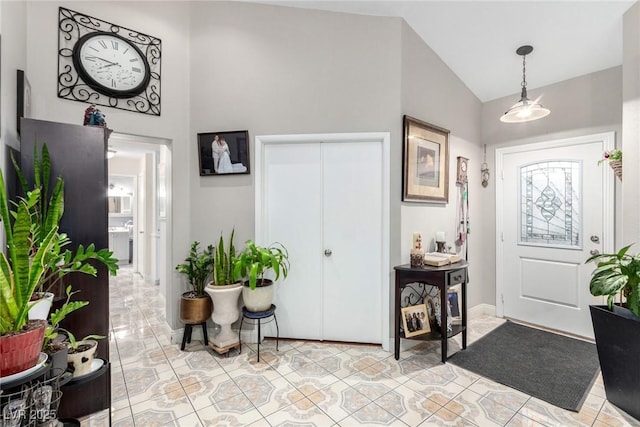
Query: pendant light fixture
(524, 110)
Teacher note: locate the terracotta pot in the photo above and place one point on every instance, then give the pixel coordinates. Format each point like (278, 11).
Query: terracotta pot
(260, 298)
(225, 312)
(20, 352)
(194, 311)
(80, 363)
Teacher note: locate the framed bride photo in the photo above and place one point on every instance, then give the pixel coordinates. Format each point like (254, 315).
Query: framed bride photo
(223, 153)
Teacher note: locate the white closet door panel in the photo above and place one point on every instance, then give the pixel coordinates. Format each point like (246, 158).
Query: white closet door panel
(293, 208)
(352, 213)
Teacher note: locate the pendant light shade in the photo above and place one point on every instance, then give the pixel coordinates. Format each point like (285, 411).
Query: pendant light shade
(524, 110)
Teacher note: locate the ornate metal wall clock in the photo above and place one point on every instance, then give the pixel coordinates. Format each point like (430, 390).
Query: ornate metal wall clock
(105, 64)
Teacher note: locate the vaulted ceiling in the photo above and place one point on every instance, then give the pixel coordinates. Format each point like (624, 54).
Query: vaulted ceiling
(478, 39)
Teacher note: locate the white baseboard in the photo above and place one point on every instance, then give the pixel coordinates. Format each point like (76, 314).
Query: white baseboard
(481, 310)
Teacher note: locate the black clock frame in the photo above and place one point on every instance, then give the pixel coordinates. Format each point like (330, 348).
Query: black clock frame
(74, 84)
(95, 85)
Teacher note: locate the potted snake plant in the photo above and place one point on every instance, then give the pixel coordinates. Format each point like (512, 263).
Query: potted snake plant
(224, 290)
(28, 263)
(253, 263)
(617, 326)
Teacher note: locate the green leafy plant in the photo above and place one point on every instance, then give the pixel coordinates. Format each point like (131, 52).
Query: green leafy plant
(611, 155)
(53, 330)
(74, 344)
(617, 274)
(255, 261)
(198, 266)
(45, 209)
(34, 257)
(223, 262)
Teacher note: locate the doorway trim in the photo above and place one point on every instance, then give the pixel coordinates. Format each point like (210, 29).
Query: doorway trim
(382, 137)
(608, 235)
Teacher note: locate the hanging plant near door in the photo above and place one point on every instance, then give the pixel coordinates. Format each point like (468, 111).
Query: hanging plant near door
(614, 157)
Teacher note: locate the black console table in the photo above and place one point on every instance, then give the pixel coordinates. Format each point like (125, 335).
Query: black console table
(441, 277)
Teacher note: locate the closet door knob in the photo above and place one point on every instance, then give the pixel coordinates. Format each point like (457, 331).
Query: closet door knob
(327, 252)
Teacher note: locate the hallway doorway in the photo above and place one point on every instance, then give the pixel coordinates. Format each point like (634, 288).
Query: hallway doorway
(144, 163)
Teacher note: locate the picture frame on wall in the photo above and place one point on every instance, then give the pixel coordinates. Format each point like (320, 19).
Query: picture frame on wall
(425, 162)
(415, 320)
(23, 98)
(223, 153)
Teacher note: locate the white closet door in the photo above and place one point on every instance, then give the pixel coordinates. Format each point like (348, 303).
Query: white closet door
(352, 213)
(327, 197)
(292, 205)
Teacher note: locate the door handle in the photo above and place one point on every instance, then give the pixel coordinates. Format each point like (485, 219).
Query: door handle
(595, 239)
(327, 252)
(594, 252)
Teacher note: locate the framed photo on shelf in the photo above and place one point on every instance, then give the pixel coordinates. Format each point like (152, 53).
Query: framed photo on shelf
(223, 153)
(453, 299)
(425, 162)
(23, 97)
(415, 320)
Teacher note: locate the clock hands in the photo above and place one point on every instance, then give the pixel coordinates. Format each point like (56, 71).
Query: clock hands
(102, 59)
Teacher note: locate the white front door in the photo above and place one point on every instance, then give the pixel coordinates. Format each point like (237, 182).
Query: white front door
(554, 208)
(325, 200)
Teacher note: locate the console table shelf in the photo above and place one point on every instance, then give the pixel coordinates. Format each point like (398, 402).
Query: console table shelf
(443, 278)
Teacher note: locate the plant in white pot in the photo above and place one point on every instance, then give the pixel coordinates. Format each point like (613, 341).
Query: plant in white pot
(617, 326)
(224, 290)
(253, 263)
(45, 214)
(81, 354)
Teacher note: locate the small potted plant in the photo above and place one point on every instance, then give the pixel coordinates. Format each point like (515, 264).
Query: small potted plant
(614, 158)
(195, 304)
(617, 326)
(224, 290)
(55, 342)
(81, 354)
(252, 264)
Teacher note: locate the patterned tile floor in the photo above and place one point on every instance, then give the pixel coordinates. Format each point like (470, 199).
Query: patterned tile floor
(306, 383)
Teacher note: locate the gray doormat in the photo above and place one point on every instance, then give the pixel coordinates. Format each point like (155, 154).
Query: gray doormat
(551, 367)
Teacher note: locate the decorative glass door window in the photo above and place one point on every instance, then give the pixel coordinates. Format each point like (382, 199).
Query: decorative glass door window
(551, 204)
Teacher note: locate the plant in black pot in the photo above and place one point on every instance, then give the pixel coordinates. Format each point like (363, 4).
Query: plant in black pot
(617, 326)
(253, 263)
(195, 304)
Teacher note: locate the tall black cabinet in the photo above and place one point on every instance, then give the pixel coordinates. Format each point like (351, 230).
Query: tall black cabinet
(78, 154)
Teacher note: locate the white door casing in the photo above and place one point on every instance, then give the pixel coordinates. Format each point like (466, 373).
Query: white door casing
(314, 293)
(540, 278)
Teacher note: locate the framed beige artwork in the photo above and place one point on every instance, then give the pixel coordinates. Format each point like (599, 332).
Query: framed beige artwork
(425, 162)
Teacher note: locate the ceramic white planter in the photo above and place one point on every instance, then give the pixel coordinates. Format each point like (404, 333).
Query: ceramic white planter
(225, 312)
(258, 299)
(82, 361)
(39, 309)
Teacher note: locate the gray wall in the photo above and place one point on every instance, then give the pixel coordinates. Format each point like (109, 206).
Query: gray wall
(631, 125)
(277, 70)
(432, 93)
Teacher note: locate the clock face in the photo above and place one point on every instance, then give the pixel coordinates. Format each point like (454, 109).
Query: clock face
(111, 65)
(463, 166)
